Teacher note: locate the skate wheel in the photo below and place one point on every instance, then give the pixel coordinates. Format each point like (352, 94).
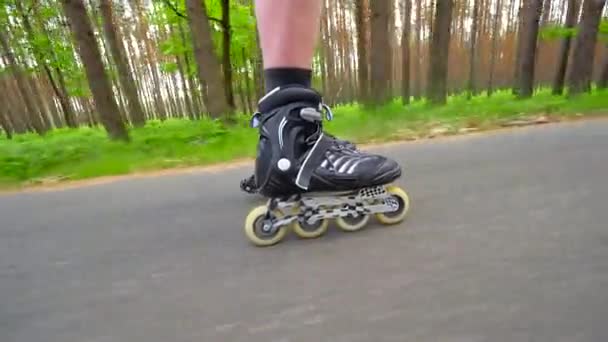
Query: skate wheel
(351, 223)
(404, 207)
(305, 230)
(253, 228)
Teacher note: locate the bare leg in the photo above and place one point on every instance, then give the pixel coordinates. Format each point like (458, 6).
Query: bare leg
(289, 30)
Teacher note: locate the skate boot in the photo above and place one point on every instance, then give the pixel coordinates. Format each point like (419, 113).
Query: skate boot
(249, 185)
(311, 178)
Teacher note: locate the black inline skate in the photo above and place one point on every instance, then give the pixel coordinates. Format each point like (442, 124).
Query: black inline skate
(310, 177)
(249, 185)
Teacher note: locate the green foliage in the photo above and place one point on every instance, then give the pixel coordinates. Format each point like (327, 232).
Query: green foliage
(86, 152)
(553, 32)
(603, 30)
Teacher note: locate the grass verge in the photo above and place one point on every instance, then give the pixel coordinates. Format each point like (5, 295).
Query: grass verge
(67, 154)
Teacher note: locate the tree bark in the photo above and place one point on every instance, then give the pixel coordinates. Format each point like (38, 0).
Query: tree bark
(584, 49)
(438, 69)
(61, 94)
(564, 50)
(208, 65)
(5, 123)
(192, 85)
(32, 111)
(11, 104)
(418, 61)
(603, 81)
(363, 71)
(495, 32)
(91, 58)
(524, 85)
(136, 111)
(546, 13)
(380, 51)
(472, 51)
(405, 46)
(226, 58)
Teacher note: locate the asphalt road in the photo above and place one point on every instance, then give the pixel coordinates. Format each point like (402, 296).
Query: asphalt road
(507, 241)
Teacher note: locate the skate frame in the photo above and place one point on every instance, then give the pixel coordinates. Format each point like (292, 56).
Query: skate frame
(315, 206)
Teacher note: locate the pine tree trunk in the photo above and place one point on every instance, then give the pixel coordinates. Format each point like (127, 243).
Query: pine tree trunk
(438, 70)
(564, 50)
(149, 56)
(524, 85)
(405, 46)
(418, 61)
(5, 125)
(226, 58)
(363, 70)
(546, 13)
(93, 65)
(208, 65)
(61, 95)
(495, 33)
(603, 81)
(192, 85)
(11, 103)
(584, 50)
(136, 111)
(380, 51)
(32, 111)
(472, 51)
(247, 81)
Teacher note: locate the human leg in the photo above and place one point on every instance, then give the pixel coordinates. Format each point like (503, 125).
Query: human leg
(289, 31)
(295, 157)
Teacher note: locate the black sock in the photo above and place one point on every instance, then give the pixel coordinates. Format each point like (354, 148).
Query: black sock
(277, 77)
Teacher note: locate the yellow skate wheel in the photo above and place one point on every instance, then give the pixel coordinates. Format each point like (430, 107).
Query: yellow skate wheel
(404, 206)
(351, 223)
(306, 230)
(253, 229)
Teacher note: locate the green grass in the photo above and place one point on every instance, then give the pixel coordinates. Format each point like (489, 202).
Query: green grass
(87, 153)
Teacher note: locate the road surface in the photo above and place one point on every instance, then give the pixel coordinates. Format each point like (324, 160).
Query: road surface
(507, 241)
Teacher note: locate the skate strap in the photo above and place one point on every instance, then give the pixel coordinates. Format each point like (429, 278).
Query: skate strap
(313, 159)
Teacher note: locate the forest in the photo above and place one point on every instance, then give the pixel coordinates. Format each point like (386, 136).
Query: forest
(97, 87)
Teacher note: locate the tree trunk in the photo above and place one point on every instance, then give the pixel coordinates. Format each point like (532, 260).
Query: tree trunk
(32, 111)
(149, 53)
(208, 65)
(472, 52)
(418, 61)
(564, 50)
(61, 95)
(124, 74)
(495, 33)
(524, 85)
(247, 81)
(192, 85)
(584, 49)
(603, 81)
(91, 58)
(438, 70)
(18, 124)
(380, 50)
(5, 124)
(226, 58)
(405, 46)
(546, 13)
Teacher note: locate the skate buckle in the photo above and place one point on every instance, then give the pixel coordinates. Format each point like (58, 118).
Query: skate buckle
(255, 120)
(328, 113)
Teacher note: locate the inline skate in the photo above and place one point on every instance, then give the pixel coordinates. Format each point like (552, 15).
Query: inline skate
(310, 178)
(248, 184)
